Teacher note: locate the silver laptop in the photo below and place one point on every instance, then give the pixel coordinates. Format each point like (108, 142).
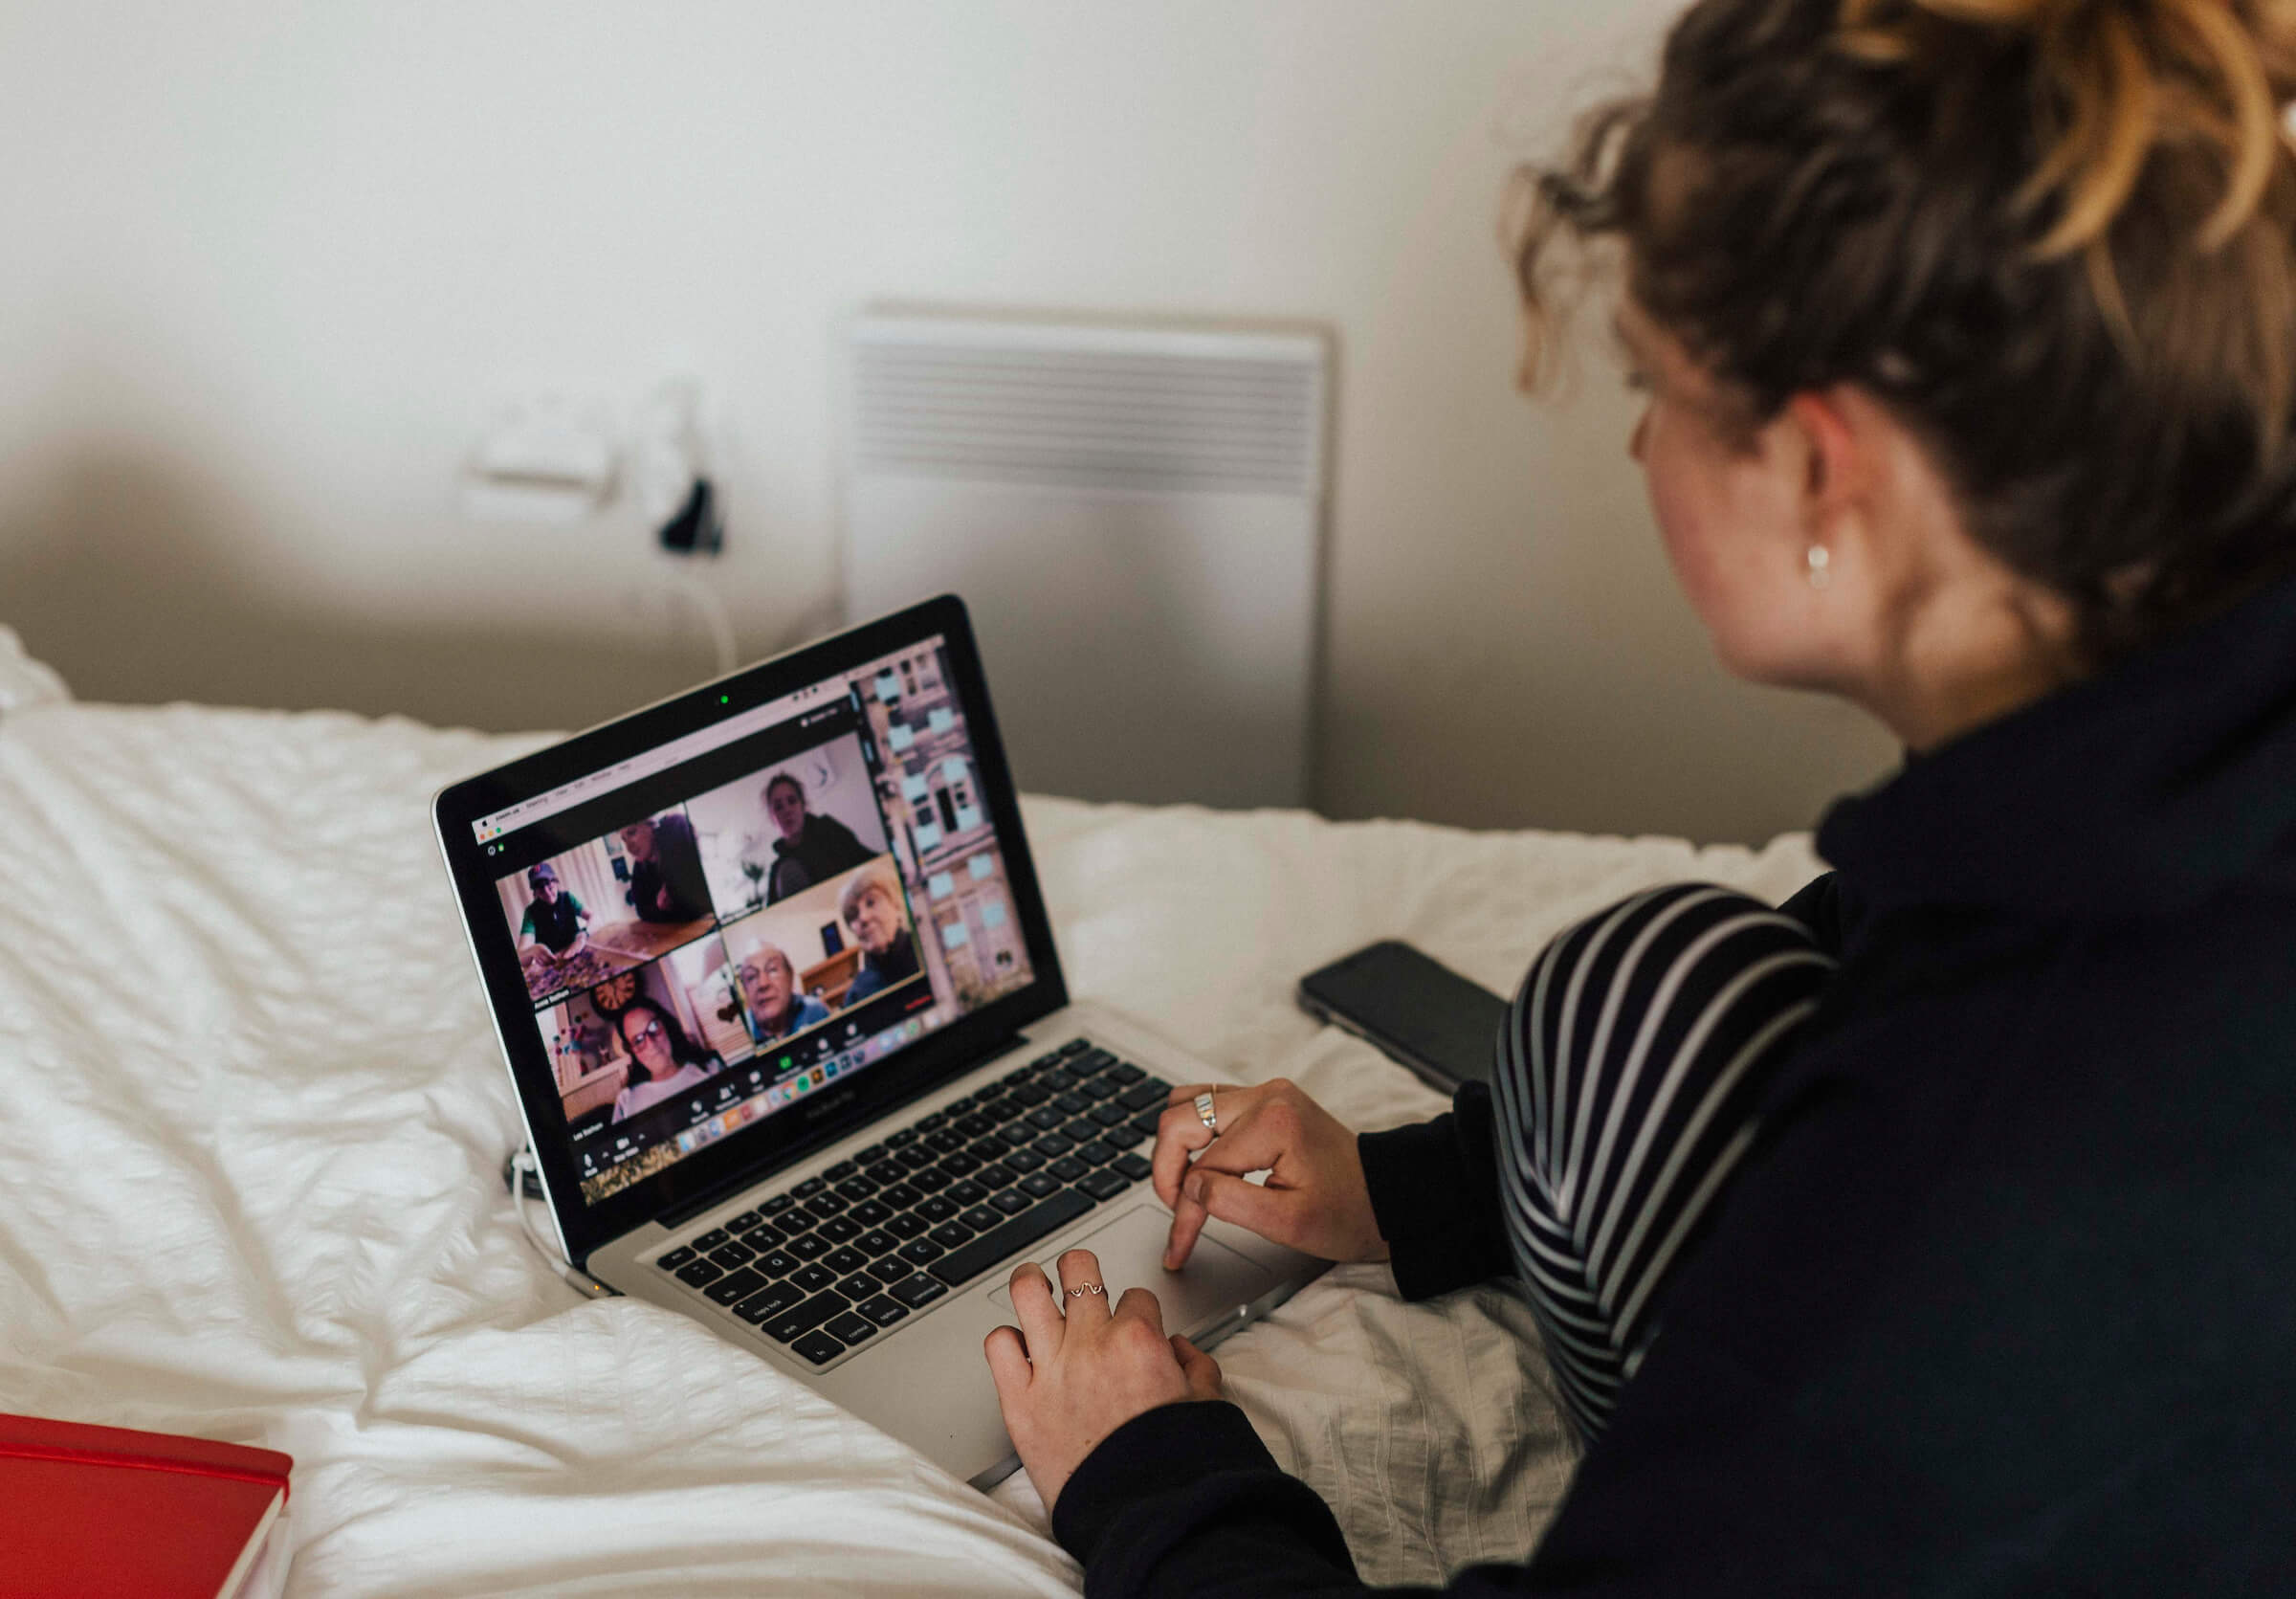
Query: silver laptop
(776, 986)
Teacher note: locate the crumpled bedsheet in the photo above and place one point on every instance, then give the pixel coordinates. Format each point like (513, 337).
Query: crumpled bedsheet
(256, 1117)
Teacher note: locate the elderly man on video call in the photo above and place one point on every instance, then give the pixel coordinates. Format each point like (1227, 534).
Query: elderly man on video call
(871, 907)
(769, 986)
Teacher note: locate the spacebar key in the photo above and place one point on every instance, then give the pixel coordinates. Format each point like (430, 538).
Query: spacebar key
(1015, 1235)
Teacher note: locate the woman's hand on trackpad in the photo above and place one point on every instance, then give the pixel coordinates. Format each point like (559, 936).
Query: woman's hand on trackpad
(1313, 1200)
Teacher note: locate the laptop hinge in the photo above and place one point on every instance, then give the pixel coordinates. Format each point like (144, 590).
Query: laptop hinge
(718, 1193)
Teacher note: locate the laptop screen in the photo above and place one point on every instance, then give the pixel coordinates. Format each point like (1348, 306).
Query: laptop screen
(716, 928)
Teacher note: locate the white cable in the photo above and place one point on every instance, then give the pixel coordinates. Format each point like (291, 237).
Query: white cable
(582, 1282)
(669, 472)
(715, 620)
(822, 618)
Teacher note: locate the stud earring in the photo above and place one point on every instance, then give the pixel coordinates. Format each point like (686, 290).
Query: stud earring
(1822, 566)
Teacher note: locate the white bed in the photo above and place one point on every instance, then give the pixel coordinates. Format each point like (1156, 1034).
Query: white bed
(254, 1118)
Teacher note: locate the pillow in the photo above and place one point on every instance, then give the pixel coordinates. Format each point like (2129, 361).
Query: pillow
(24, 681)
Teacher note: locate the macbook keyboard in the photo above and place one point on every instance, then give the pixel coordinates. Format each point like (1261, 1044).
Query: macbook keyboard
(826, 1263)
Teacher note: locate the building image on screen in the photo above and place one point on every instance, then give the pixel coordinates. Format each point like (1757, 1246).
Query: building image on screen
(928, 785)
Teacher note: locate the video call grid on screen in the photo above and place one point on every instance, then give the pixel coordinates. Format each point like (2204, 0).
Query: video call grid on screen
(707, 944)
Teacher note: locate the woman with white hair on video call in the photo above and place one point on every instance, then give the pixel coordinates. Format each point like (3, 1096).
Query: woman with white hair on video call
(1934, 1232)
(871, 905)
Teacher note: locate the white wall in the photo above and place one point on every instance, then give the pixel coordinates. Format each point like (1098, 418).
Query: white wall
(270, 268)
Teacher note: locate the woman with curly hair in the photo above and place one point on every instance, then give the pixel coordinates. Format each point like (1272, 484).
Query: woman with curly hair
(1934, 1232)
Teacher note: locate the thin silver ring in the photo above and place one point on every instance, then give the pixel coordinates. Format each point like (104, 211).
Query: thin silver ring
(1087, 1288)
(1206, 1112)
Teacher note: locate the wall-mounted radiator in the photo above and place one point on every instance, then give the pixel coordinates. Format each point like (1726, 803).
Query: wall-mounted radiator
(1134, 515)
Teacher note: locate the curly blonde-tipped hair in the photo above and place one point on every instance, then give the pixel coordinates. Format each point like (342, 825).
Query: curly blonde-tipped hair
(2057, 236)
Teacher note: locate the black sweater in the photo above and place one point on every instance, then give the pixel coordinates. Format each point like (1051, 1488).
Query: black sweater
(2005, 1301)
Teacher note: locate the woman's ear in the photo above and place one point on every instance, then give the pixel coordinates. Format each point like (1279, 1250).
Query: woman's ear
(1830, 425)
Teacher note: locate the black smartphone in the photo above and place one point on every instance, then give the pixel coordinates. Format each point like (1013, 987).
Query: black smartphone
(1411, 1006)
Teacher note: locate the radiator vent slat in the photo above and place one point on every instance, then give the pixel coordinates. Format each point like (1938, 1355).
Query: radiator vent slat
(940, 402)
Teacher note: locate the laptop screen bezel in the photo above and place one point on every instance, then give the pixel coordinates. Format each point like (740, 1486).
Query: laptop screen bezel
(790, 1133)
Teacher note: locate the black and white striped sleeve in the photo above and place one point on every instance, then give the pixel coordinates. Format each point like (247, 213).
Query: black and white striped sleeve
(1628, 1070)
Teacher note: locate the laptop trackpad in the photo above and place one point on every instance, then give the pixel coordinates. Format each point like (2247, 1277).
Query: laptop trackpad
(1215, 1283)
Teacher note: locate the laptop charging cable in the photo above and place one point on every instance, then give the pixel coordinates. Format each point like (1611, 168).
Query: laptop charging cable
(521, 1175)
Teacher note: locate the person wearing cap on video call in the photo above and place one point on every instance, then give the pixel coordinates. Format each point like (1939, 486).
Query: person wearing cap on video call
(555, 925)
(1936, 1231)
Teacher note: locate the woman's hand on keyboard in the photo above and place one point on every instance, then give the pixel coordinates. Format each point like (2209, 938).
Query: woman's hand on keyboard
(1077, 1368)
(1313, 1199)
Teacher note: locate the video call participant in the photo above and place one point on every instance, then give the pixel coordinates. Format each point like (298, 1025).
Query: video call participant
(663, 1061)
(665, 870)
(770, 984)
(555, 923)
(811, 849)
(871, 907)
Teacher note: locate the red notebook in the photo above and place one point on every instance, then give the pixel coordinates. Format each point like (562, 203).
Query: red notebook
(102, 1510)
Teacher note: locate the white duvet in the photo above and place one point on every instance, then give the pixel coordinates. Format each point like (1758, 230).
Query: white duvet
(254, 1121)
